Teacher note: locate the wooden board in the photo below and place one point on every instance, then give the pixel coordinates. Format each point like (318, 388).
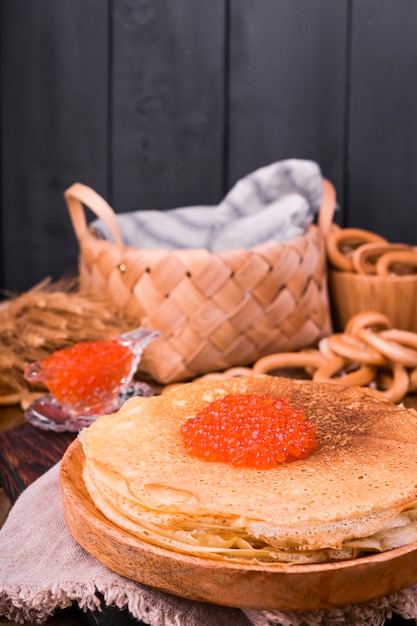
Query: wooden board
(382, 141)
(263, 587)
(167, 90)
(53, 101)
(26, 453)
(286, 92)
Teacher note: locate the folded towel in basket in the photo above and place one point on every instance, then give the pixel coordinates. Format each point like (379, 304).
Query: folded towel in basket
(275, 202)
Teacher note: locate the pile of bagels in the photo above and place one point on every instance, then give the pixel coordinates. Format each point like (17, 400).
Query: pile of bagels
(369, 353)
(365, 252)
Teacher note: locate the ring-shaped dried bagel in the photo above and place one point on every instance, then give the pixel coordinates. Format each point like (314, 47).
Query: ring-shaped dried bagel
(391, 349)
(404, 337)
(310, 369)
(365, 257)
(324, 348)
(237, 371)
(358, 378)
(350, 347)
(304, 359)
(388, 263)
(413, 380)
(229, 373)
(341, 243)
(383, 379)
(367, 319)
(400, 384)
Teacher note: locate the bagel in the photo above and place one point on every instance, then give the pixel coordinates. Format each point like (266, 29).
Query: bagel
(341, 243)
(397, 262)
(365, 258)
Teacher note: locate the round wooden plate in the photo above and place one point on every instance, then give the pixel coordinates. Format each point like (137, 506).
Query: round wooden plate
(263, 587)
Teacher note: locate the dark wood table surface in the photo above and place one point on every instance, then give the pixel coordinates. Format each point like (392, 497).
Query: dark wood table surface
(26, 452)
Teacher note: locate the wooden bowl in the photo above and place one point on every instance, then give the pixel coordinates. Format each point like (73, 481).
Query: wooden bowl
(248, 586)
(395, 296)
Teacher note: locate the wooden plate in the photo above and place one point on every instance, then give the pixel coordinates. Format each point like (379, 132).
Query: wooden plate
(263, 587)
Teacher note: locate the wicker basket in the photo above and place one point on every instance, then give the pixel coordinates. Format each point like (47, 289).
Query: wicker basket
(215, 310)
(393, 295)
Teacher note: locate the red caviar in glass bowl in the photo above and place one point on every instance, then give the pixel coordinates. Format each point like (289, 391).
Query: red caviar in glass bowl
(88, 377)
(250, 431)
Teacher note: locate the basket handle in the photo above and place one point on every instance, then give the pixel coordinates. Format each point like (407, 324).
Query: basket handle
(327, 208)
(79, 194)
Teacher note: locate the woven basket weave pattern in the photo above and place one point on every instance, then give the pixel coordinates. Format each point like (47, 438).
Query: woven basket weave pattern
(215, 310)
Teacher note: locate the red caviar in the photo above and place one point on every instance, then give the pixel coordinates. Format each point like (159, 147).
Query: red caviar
(86, 372)
(250, 431)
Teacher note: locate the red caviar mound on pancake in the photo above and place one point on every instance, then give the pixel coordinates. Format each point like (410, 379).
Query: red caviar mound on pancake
(250, 431)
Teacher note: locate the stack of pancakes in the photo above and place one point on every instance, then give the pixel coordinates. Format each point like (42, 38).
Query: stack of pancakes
(355, 494)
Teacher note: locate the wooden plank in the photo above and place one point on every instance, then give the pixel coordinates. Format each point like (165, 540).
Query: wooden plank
(382, 183)
(287, 84)
(168, 111)
(26, 453)
(54, 128)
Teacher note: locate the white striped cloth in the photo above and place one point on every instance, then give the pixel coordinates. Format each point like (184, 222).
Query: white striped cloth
(275, 202)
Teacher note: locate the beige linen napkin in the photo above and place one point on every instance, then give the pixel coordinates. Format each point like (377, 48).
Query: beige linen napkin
(42, 569)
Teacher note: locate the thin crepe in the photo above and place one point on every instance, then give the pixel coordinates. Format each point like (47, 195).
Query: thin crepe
(353, 486)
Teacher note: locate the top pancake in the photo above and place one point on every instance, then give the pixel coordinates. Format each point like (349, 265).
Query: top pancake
(362, 474)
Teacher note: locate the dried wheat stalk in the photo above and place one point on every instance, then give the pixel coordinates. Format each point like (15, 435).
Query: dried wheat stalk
(48, 317)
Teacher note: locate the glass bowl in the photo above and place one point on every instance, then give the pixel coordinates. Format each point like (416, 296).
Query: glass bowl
(88, 379)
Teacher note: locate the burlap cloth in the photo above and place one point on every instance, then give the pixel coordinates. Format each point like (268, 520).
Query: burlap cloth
(42, 569)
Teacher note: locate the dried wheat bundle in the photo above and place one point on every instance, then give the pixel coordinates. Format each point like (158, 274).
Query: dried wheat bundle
(48, 317)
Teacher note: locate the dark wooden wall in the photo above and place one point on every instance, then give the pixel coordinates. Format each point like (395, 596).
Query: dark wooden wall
(164, 103)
